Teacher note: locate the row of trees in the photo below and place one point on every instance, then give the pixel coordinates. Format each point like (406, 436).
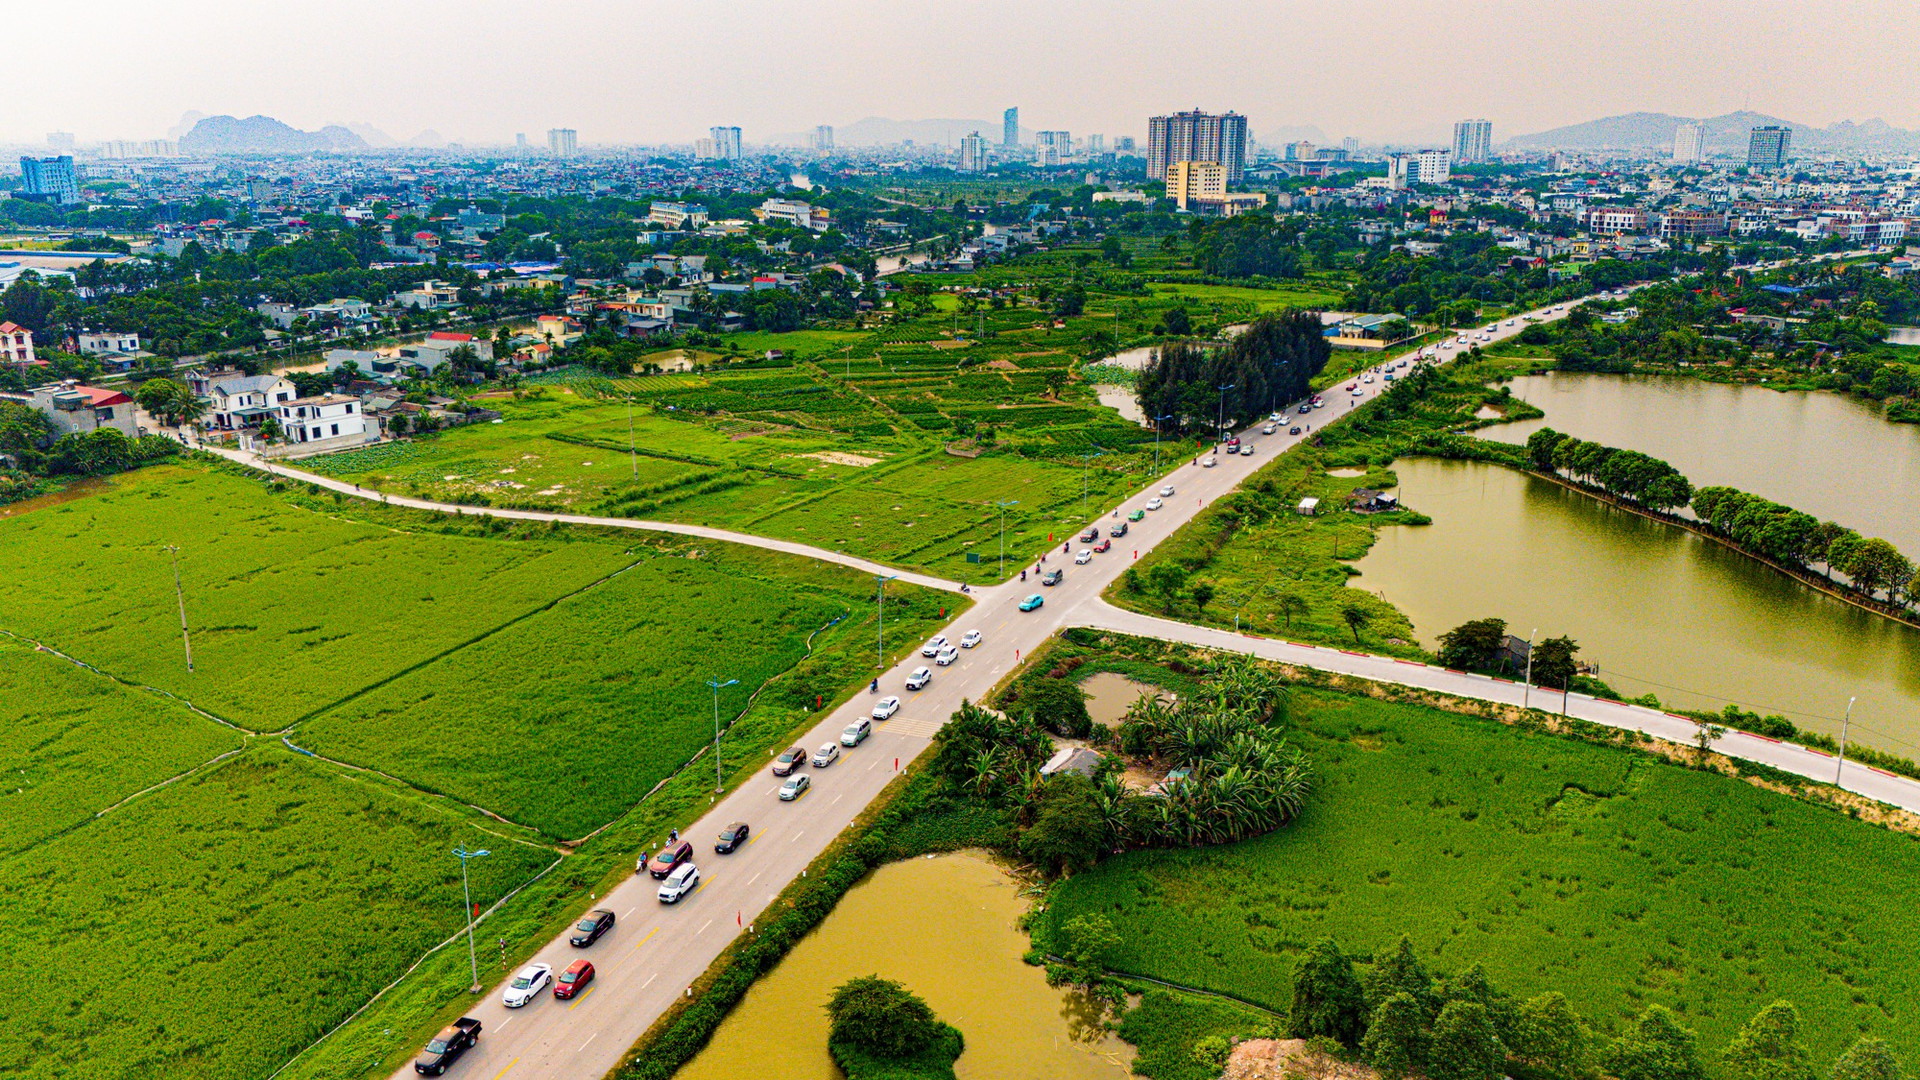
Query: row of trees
(1624, 474)
(1784, 534)
(1406, 1023)
(1479, 645)
(1268, 365)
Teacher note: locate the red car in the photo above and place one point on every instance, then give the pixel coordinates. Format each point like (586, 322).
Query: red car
(1103, 546)
(573, 980)
(669, 858)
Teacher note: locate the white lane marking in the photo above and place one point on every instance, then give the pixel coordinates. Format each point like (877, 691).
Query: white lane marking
(649, 981)
(630, 912)
(875, 762)
(754, 878)
(838, 797)
(703, 929)
(590, 1038)
(503, 1024)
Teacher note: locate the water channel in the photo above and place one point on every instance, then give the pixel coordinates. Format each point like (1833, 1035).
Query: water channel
(946, 928)
(1660, 609)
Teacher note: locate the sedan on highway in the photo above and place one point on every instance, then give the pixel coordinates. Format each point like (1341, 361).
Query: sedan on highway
(592, 927)
(826, 755)
(857, 732)
(573, 980)
(933, 644)
(1103, 547)
(732, 838)
(1092, 534)
(1247, 450)
(670, 857)
(1137, 515)
(1120, 530)
(1154, 504)
(1083, 557)
(1167, 492)
(1294, 430)
(918, 678)
(886, 708)
(527, 984)
(947, 656)
(793, 757)
(680, 883)
(1032, 602)
(1052, 577)
(1269, 429)
(969, 639)
(1208, 462)
(796, 786)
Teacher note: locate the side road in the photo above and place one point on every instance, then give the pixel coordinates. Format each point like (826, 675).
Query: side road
(255, 461)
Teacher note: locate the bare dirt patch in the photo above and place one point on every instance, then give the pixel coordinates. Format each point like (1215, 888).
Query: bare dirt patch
(837, 457)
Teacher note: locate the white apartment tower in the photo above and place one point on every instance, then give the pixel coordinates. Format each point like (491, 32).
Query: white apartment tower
(1689, 144)
(562, 142)
(973, 153)
(1473, 141)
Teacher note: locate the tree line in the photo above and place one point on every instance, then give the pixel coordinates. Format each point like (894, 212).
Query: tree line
(1404, 1022)
(1265, 367)
(1624, 474)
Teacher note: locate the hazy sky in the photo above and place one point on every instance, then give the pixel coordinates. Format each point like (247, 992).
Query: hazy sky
(646, 71)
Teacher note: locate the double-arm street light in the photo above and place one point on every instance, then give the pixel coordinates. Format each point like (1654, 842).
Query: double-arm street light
(880, 654)
(466, 895)
(1156, 440)
(716, 686)
(1003, 504)
(1223, 410)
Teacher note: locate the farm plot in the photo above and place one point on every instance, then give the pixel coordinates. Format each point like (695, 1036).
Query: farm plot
(289, 607)
(567, 718)
(1603, 874)
(215, 927)
(75, 743)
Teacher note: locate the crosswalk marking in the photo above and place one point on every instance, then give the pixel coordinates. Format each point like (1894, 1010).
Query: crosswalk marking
(918, 729)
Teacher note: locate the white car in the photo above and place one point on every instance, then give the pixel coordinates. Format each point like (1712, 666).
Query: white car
(796, 786)
(527, 985)
(857, 732)
(969, 639)
(1209, 462)
(1368, 377)
(1167, 492)
(826, 755)
(1269, 429)
(947, 656)
(1246, 450)
(1154, 504)
(1083, 556)
(682, 881)
(886, 708)
(933, 645)
(919, 678)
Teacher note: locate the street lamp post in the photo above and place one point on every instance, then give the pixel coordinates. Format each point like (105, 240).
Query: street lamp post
(1222, 424)
(181, 596)
(1526, 695)
(1086, 474)
(631, 451)
(1003, 504)
(880, 653)
(466, 896)
(1156, 440)
(717, 686)
(1844, 721)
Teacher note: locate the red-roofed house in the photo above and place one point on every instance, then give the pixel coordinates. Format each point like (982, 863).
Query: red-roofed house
(79, 409)
(16, 344)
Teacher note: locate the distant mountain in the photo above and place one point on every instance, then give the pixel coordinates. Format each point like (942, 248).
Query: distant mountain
(373, 136)
(264, 135)
(427, 140)
(187, 120)
(1724, 135)
(880, 131)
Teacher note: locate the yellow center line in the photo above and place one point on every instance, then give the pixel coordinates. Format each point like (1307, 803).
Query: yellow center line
(752, 840)
(648, 938)
(503, 1072)
(588, 993)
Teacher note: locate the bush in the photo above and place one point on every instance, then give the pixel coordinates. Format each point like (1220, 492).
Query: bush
(881, 1017)
(1057, 705)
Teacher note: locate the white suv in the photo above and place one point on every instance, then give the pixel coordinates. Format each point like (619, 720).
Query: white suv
(682, 881)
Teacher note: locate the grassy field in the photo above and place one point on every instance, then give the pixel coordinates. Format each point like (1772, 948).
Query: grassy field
(290, 606)
(75, 743)
(1561, 865)
(218, 925)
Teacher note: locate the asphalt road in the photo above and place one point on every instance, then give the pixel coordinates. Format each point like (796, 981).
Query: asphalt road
(656, 951)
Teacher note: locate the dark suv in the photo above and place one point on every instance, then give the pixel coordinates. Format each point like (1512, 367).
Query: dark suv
(669, 858)
(1119, 529)
(595, 924)
(1092, 534)
(731, 838)
(793, 757)
(1053, 577)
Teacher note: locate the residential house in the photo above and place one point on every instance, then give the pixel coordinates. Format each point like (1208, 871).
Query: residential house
(362, 360)
(105, 342)
(201, 380)
(77, 409)
(16, 345)
(428, 296)
(1072, 759)
(449, 340)
(332, 418)
(279, 314)
(561, 329)
(242, 401)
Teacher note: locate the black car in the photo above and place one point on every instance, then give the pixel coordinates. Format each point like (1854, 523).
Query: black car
(1295, 430)
(445, 1048)
(1092, 534)
(1119, 529)
(732, 838)
(595, 924)
(1053, 577)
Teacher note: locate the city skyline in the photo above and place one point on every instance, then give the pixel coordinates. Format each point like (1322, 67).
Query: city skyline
(827, 65)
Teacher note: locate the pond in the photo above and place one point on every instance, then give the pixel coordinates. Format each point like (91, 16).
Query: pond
(1110, 694)
(1660, 609)
(946, 927)
(1827, 454)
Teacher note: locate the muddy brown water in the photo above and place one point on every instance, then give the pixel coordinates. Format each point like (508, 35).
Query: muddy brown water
(947, 928)
(1110, 694)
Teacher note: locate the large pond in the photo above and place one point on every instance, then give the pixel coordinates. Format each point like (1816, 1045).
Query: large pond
(1826, 454)
(945, 927)
(1660, 609)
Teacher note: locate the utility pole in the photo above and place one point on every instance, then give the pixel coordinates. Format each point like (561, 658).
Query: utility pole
(1156, 440)
(880, 653)
(1844, 721)
(1086, 473)
(631, 452)
(716, 685)
(466, 895)
(1222, 425)
(181, 596)
(1526, 695)
(1003, 504)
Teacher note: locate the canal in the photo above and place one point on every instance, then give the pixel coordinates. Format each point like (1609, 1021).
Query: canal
(947, 928)
(1660, 609)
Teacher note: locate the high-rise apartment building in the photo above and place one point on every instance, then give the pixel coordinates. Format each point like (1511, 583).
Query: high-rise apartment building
(1352, 146)
(1054, 146)
(1473, 141)
(822, 137)
(1767, 147)
(703, 149)
(1123, 144)
(1435, 166)
(520, 141)
(1197, 136)
(1096, 145)
(973, 153)
(1010, 127)
(139, 148)
(726, 143)
(1196, 182)
(562, 142)
(51, 179)
(1689, 143)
